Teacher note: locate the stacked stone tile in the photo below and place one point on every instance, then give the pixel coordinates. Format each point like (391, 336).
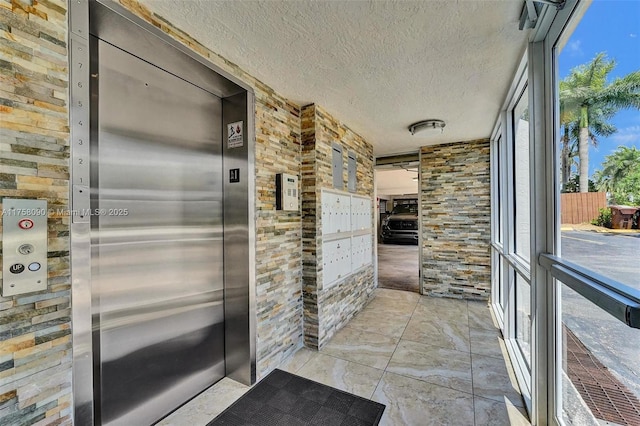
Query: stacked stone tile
(328, 310)
(35, 329)
(456, 220)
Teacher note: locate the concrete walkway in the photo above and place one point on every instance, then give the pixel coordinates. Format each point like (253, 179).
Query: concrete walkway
(594, 228)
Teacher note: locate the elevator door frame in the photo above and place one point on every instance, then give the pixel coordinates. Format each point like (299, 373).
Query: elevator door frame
(111, 22)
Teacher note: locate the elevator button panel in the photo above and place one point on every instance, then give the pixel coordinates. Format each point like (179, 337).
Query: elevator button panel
(24, 246)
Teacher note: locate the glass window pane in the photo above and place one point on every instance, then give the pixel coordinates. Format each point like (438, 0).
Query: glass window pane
(497, 277)
(599, 211)
(599, 171)
(523, 317)
(521, 175)
(499, 175)
(503, 280)
(600, 365)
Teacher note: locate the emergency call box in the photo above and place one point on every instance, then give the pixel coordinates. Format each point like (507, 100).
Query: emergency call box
(287, 193)
(24, 246)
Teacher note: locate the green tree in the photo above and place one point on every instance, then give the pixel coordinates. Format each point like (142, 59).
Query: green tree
(568, 154)
(620, 175)
(589, 100)
(570, 138)
(627, 191)
(573, 185)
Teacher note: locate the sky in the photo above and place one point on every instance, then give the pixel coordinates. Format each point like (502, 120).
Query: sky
(611, 26)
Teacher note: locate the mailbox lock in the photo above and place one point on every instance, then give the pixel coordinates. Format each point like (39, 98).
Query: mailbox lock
(16, 268)
(25, 224)
(26, 249)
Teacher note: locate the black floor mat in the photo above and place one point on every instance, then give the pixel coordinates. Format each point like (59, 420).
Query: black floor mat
(285, 399)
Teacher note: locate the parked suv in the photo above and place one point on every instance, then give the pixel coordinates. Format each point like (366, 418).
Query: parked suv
(401, 226)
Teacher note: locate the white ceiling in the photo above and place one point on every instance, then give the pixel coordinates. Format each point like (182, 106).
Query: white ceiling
(377, 65)
(396, 181)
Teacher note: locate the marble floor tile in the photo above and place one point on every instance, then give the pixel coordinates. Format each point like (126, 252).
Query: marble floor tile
(444, 303)
(492, 380)
(204, 407)
(453, 311)
(405, 296)
(414, 402)
(490, 412)
(297, 360)
(440, 366)
(444, 362)
(371, 349)
(386, 323)
(392, 306)
(486, 342)
(438, 333)
(480, 316)
(344, 375)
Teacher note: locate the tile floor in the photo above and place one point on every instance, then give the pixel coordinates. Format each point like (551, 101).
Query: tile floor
(430, 361)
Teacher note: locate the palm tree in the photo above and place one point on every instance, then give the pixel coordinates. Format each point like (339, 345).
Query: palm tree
(598, 126)
(569, 152)
(616, 166)
(585, 95)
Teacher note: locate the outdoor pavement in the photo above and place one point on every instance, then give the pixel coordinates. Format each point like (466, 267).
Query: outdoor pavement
(598, 229)
(615, 255)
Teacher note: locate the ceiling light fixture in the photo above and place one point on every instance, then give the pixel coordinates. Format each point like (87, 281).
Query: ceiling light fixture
(427, 125)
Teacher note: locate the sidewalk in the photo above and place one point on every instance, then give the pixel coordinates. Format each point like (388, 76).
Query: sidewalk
(594, 228)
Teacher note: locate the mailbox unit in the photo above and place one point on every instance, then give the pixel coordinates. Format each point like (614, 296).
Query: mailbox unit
(347, 235)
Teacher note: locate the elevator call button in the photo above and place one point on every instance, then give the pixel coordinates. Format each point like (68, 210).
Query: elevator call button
(25, 224)
(16, 268)
(24, 246)
(26, 249)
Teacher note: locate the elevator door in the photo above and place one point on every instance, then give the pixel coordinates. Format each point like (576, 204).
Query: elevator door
(157, 261)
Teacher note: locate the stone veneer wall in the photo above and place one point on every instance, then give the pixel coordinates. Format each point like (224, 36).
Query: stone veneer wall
(327, 311)
(35, 329)
(456, 220)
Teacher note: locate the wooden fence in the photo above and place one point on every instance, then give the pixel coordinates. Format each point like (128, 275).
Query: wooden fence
(581, 207)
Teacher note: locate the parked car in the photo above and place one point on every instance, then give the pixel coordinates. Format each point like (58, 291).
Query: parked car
(401, 226)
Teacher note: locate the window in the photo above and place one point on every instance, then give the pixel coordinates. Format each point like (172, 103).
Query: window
(579, 277)
(511, 234)
(523, 317)
(521, 176)
(598, 158)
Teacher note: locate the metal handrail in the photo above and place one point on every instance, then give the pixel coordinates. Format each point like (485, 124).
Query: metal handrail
(619, 300)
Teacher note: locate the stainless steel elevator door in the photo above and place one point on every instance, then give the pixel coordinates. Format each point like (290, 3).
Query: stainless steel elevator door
(157, 255)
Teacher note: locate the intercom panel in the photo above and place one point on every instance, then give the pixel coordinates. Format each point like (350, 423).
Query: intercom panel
(287, 194)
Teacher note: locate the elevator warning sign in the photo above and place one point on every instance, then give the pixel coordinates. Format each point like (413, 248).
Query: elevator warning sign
(234, 135)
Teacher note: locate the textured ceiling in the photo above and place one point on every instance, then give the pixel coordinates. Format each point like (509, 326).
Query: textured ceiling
(376, 65)
(396, 181)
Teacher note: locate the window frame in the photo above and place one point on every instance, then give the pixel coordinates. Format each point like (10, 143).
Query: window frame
(503, 251)
(541, 386)
(550, 261)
